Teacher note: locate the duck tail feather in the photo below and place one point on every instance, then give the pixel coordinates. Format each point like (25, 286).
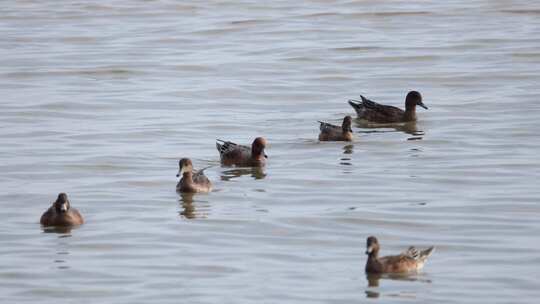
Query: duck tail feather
(201, 171)
(355, 103)
(424, 254)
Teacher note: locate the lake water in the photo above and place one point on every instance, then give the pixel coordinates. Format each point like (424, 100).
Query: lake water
(101, 100)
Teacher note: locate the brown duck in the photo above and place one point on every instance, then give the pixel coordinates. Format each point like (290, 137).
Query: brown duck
(331, 132)
(378, 113)
(242, 156)
(191, 182)
(61, 214)
(408, 261)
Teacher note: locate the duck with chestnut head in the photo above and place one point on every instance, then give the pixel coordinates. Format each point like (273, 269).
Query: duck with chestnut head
(232, 154)
(331, 132)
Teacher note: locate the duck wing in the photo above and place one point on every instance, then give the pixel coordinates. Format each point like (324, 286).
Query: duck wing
(411, 252)
(396, 260)
(200, 178)
(376, 112)
(416, 257)
(380, 108)
(230, 150)
(326, 127)
(417, 254)
(227, 147)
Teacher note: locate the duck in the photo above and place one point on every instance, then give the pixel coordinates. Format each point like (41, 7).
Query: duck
(331, 132)
(378, 113)
(61, 214)
(191, 182)
(411, 260)
(232, 154)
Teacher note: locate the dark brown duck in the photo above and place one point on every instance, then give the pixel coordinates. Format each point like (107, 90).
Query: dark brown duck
(61, 213)
(375, 112)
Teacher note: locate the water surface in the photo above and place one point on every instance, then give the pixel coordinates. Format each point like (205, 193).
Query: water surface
(101, 100)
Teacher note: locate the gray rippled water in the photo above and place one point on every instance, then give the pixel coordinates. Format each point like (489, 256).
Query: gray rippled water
(101, 100)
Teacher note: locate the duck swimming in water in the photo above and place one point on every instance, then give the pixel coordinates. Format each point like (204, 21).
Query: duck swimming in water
(61, 213)
(378, 113)
(331, 132)
(409, 261)
(191, 182)
(232, 154)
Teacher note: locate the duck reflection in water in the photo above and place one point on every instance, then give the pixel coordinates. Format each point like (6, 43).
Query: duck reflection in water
(255, 172)
(65, 233)
(61, 258)
(187, 207)
(375, 278)
(186, 202)
(62, 253)
(410, 128)
(58, 229)
(346, 159)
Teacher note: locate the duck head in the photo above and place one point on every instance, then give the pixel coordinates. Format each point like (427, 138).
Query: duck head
(372, 246)
(61, 205)
(414, 99)
(347, 123)
(185, 165)
(257, 147)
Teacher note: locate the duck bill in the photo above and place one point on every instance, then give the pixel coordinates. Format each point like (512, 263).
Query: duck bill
(180, 172)
(265, 156)
(64, 208)
(422, 105)
(369, 250)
